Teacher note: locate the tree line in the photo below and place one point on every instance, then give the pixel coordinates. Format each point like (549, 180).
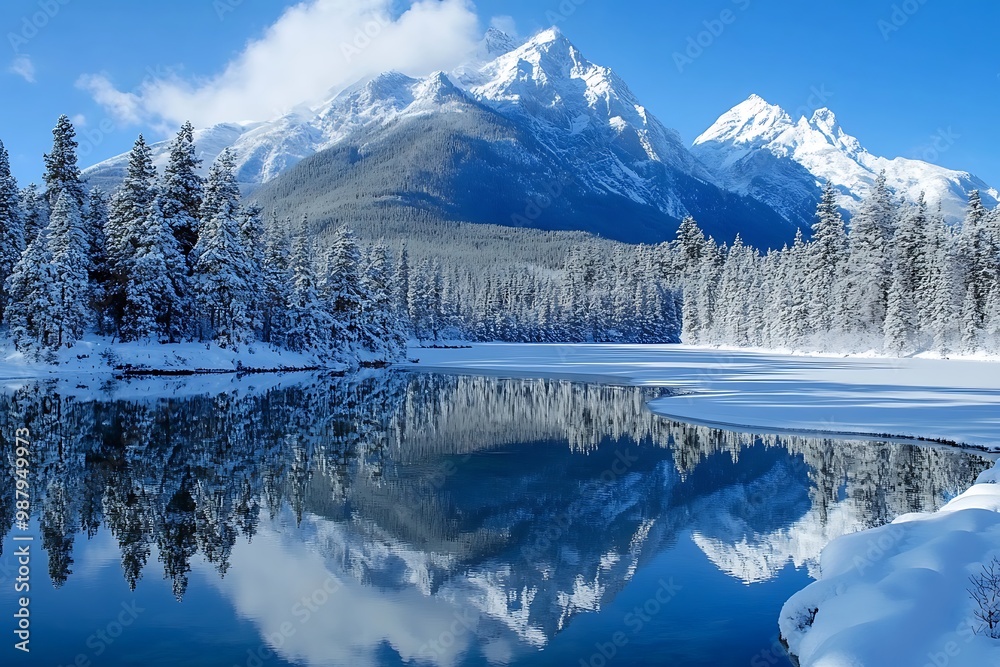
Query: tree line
(175, 257)
(900, 280)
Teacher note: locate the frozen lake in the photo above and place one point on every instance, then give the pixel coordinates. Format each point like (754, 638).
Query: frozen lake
(426, 519)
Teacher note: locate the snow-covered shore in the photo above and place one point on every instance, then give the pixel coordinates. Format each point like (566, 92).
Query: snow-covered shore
(96, 356)
(894, 595)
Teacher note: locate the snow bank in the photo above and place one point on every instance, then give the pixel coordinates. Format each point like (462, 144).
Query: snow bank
(99, 356)
(897, 595)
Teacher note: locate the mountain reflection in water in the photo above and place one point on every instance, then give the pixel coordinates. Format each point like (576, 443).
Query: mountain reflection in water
(427, 519)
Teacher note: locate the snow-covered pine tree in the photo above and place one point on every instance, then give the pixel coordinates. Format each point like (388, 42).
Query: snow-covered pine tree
(944, 286)
(35, 210)
(824, 272)
(731, 312)
(154, 306)
(252, 233)
(95, 220)
(182, 191)
(901, 316)
(62, 174)
(276, 290)
(972, 320)
(690, 242)
(869, 265)
(129, 208)
(12, 242)
(912, 257)
(308, 322)
(799, 311)
(384, 334)
(221, 267)
(31, 307)
(401, 288)
(69, 247)
(992, 328)
(341, 289)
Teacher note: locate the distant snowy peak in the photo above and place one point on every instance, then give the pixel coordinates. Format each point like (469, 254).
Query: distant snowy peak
(757, 148)
(748, 122)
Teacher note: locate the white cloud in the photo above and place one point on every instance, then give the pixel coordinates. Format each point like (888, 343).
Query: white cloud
(79, 120)
(23, 67)
(315, 47)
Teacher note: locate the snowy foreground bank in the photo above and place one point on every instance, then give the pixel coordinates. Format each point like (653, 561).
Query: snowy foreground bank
(895, 595)
(96, 356)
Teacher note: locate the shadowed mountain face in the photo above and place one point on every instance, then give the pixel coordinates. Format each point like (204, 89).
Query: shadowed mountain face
(531, 510)
(475, 165)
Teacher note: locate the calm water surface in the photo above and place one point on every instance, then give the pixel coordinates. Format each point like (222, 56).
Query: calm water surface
(422, 520)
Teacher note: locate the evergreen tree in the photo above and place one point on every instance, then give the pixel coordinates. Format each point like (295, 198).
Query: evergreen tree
(341, 288)
(35, 211)
(154, 303)
(691, 241)
(869, 265)
(222, 265)
(69, 247)
(182, 191)
(61, 171)
(252, 238)
(31, 308)
(12, 242)
(826, 262)
(384, 334)
(276, 296)
(900, 320)
(129, 208)
(308, 323)
(95, 220)
(401, 288)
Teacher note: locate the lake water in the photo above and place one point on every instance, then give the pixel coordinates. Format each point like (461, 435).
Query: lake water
(403, 519)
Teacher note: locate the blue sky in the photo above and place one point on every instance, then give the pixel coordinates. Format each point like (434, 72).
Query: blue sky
(910, 78)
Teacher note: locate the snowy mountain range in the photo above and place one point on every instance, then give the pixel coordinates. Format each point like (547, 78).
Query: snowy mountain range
(533, 134)
(759, 150)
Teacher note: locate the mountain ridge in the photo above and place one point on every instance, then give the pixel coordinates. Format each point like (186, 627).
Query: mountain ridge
(759, 149)
(572, 127)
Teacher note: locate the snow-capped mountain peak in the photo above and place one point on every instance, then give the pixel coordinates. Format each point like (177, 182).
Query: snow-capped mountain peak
(758, 150)
(747, 122)
(496, 43)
